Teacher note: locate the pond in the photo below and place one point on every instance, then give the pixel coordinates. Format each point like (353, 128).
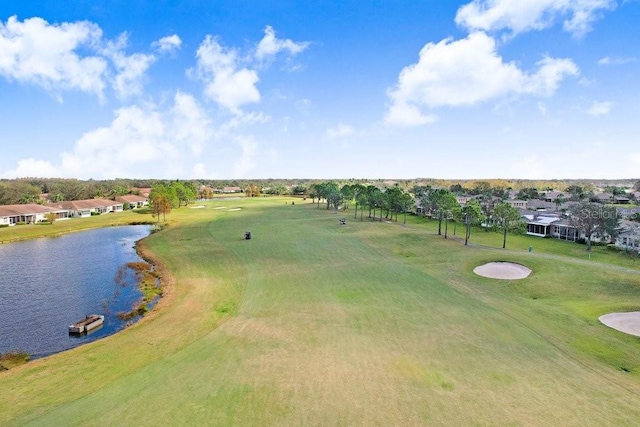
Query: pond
(47, 284)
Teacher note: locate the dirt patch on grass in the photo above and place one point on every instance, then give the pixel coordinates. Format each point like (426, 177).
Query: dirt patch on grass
(13, 358)
(503, 270)
(629, 322)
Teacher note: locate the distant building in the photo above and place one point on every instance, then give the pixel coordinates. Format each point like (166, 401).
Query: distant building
(540, 205)
(602, 198)
(144, 192)
(518, 204)
(628, 236)
(627, 212)
(462, 200)
(551, 196)
(133, 201)
(29, 213)
(84, 208)
(540, 225)
(232, 190)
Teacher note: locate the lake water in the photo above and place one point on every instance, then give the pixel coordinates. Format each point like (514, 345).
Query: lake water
(47, 284)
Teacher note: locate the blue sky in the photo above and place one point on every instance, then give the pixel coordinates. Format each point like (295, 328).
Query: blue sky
(526, 89)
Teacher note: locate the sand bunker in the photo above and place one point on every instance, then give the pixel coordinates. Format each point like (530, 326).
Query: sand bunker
(221, 207)
(235, 209)
(197, 207)
(629, 322)
(502, 270)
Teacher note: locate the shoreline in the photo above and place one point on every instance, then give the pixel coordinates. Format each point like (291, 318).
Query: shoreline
(57, 233)
(165, 278)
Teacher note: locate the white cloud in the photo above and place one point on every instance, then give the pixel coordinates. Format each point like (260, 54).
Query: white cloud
(550, 73)
(519, 16)
(270, 45)
(168, 44)
(340, 131)
(246, 119)
(31, 167)
(616, 60)
(231, 79)
(33, 51)
(135, 137)
(141, 141)
(225, 82)
(190, 128)
(130, 69)
(69, 56)
(246, 162)
(542, 108)
(466, 72)
(600, 108)
(402, 114)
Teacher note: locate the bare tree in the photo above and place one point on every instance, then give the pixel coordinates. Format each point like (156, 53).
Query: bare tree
(594, 220)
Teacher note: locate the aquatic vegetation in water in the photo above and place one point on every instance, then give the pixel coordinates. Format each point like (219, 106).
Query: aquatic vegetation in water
(148, 283)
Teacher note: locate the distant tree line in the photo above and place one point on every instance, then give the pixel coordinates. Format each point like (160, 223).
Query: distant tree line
(437, 203)
(28, 190)
(387, 203)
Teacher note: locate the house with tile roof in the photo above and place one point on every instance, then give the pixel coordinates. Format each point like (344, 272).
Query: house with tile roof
(134, 202)
(85, 208)
(30, 213)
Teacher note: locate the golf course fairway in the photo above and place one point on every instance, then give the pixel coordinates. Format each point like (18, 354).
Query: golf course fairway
(369, 323)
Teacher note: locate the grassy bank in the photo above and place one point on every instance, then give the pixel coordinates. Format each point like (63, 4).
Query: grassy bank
(312, 322)
(31, 231)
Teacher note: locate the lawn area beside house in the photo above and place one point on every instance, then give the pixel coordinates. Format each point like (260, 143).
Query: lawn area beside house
(521, 243)
(30, 231)
(367, 323)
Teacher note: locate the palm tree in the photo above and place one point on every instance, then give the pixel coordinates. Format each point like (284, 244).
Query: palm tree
(373, 195)
(358, 192)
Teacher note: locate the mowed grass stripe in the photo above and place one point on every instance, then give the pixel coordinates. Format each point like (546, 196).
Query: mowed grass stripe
(366, 323)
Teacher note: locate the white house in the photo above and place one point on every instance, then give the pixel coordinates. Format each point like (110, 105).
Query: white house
(133, 201)
(85, 208)
(540, 225)
(629, 236)
(462, 200)
(29, 213)
(563, 230)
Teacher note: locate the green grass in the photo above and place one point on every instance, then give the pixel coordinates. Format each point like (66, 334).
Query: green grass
(30, 231)
(479, 236)
(370, 323)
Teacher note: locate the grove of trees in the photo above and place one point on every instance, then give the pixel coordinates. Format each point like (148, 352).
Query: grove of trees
(163, 197)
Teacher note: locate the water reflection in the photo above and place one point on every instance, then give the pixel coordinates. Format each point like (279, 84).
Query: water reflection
(47, 284)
